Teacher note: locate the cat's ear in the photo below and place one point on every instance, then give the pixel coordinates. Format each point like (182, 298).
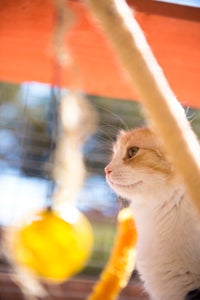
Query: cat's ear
(122, 132)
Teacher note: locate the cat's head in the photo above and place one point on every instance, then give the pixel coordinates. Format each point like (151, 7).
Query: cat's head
(138, 164)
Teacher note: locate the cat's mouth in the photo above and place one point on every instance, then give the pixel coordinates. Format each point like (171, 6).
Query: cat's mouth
(120, 185)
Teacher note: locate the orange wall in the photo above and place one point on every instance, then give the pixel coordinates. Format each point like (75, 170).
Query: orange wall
(26, 50)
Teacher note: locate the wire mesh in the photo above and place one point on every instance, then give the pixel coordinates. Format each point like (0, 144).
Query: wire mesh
(26, 126)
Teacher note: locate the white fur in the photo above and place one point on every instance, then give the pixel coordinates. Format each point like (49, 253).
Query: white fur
(168, 249)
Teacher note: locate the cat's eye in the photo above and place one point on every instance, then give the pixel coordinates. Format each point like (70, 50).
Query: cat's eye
(132, 151)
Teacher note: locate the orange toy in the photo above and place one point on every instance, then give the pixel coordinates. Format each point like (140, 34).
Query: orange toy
(122, 260)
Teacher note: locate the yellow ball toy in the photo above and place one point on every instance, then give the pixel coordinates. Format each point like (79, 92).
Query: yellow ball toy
(54, 245)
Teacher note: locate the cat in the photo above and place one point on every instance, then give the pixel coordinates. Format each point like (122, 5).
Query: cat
(168, 248)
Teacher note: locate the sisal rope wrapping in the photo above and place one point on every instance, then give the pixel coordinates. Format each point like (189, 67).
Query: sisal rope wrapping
(162, 107)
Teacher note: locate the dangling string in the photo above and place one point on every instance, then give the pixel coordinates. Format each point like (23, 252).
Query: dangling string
(63, 20)
(54, 129)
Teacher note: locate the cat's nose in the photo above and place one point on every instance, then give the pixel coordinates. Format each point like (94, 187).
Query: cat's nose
(107, 170)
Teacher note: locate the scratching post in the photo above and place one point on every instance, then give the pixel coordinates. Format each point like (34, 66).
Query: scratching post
(162, 107)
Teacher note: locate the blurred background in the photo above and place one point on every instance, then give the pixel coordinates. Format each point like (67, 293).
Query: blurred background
(26, 125)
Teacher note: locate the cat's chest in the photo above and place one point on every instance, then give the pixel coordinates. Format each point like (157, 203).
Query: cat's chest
(166, 235)
(156, 245)
(168, 259)
(168, 242)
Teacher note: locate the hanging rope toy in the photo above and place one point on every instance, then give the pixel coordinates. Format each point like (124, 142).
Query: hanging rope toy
(56, 242)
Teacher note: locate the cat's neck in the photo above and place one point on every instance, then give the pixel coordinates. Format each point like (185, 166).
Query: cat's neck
(168, 212)
(159, 201)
